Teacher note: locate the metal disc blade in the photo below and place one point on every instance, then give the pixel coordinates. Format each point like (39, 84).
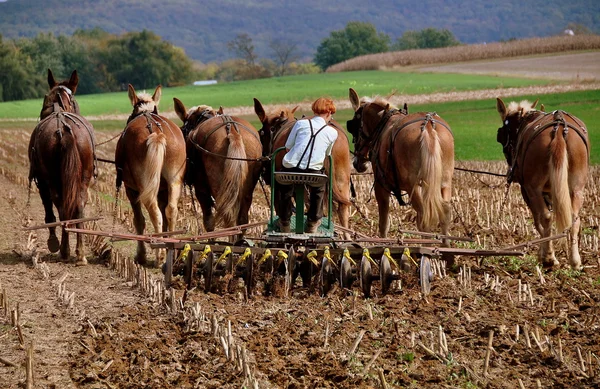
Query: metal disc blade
(366, 277)
(425, 275)
(346, 274)
(385, 274)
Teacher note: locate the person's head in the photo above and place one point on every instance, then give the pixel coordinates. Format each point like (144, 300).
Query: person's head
(323, 106)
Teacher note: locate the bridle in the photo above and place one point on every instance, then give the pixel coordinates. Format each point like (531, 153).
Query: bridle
(189, 125)
(273, 131)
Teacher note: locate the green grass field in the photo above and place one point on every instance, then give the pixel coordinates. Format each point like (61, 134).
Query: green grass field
(289, 89)
(474, 123)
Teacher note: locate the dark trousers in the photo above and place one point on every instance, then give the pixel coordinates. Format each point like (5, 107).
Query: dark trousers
(285, 194)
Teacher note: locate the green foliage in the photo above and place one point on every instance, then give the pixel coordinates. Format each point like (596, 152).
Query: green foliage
(428, 38)
(144, 60)
(357, 38)
(15, 70)
(104, 62)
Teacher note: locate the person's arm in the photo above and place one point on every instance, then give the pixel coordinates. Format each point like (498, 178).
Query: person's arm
(334, 138)
(292, 137)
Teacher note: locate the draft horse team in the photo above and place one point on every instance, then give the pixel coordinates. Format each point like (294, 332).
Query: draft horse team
(222, 158)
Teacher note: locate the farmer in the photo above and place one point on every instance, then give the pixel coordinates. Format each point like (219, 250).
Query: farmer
(310, 141)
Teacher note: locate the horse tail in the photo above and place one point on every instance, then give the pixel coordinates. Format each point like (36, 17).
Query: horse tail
(156, 149)
(235, 171)
(70, 175)
(559, 182)
(430, 177)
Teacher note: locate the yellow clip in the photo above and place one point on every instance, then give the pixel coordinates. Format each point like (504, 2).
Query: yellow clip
(311, 257)
(388, 255)
(368, 256)
(347, 256)
(407, 253)
(242, 258)
(184, 252)
(281, 255)
(264, 257)
(225, 253)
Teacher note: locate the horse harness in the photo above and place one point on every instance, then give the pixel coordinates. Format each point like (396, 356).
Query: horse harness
(229, 124)
(391, 158)
(537, 126)
(62, 125)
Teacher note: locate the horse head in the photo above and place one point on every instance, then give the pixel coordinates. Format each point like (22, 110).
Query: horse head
(60, 98)
(271, 124)
(194, 116)
(366, 125)
(512, 118)
(142, 102)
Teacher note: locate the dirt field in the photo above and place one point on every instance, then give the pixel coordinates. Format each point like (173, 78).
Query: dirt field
(92, 327)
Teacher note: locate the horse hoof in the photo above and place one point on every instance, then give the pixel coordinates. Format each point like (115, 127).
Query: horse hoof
(81, 262)
(140, 260)
(53, 244)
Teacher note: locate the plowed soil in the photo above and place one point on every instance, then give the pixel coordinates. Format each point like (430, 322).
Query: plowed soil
(90, 327)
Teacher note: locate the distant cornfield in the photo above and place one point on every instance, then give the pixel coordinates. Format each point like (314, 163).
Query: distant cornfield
(532, 46)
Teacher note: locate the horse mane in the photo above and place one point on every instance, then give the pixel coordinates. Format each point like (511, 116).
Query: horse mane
(276, 112)
(146, 103)
(202, 108)
(514, 107)
(378, 100)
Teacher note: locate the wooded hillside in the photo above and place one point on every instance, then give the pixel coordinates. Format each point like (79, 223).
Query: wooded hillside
(204, 28)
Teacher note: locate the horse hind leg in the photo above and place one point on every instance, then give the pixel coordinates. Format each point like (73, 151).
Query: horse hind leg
(139, 222)
(53, 243)
(156, 218)
(573, 235)
(383, 202)
(171, 210)
(542, 219)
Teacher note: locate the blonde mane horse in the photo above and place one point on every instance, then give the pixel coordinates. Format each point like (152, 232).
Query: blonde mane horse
(411, 153)
(548, 154)
(150, 160)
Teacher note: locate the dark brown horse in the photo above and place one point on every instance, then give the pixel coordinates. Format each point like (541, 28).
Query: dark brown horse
(62, 160)
(548, 155)
(150, 160)
(274, 133)
(411, 153)
(223, 163)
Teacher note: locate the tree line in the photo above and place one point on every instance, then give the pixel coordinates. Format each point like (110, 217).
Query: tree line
(143, 59)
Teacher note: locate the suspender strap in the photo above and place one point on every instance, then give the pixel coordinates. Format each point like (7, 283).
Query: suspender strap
(311, 144)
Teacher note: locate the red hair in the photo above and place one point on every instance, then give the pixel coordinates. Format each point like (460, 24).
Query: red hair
(323, 105)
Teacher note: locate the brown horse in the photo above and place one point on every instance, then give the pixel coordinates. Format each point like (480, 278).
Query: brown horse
(224, 163)
(150, 160)
(274, 133)
(62, 160)
(413, 153)
(548, 155)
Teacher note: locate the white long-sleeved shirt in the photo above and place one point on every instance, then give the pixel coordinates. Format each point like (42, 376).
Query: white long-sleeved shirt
(300, 140)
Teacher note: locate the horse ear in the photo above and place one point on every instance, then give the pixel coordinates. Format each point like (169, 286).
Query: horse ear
(51, 81)
(220, 111)
(157, 94)
(406, 108)
(282, 114)
(132, 96)
(73, 81)
(534, 103)
(501, 108)
(295, 109)
(259, 110)
(387, 108)
(180, 109)
(354, 100)
(542, 108)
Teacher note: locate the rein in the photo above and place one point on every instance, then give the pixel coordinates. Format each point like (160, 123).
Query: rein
(522, 145)
(227, 122)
